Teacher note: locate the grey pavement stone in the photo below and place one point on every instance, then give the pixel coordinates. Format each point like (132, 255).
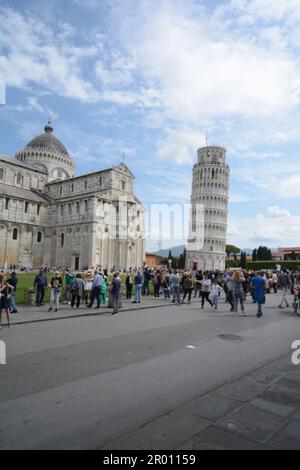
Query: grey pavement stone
(242, 390)
(295, 375)
(275, 408)
(245, 430)
(215, 438)
(282, 396)
(292, 430)
(137, 440)
(280, 442)
(260, 419)
(173, 430)
(211, 407)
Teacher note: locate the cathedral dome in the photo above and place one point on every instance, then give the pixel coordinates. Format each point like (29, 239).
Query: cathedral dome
(48, 142)
(49, 154)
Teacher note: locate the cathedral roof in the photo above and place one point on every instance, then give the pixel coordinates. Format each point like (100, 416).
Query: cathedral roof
(48, 142)
(13, 161)
(20, 193)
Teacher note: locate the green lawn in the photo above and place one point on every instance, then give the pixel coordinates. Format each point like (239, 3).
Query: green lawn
(25, 281)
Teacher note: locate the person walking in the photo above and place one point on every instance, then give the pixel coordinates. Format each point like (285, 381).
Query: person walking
(5, 294)
(13, 281)
(76, 290)
(229, 293)
(215, 292)
(284, 283)
(187, 288)
(199, 278)
(238, 292)
(138, 280)
(176, 283)
(40, 283)
(259, 285)
(115, 293)
(55, 286)
(205, 291)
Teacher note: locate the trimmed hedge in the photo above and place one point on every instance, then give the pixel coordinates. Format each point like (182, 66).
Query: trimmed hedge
(294, 265)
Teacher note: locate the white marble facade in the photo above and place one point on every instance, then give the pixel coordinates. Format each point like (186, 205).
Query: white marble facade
(210, 189)
(50, 217)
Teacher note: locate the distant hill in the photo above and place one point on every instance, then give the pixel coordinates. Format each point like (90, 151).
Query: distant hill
(176, 251)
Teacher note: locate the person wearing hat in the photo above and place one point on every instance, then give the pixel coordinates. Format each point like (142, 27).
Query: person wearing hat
(55, 286)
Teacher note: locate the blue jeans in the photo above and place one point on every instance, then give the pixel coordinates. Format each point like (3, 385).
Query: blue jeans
(40, 294)
(11, 302)
(138, 291)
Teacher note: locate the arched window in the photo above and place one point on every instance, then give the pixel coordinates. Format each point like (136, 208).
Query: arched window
(15, 234)
(62, 239)
(39, 237)
(1, 174)
(19, 178)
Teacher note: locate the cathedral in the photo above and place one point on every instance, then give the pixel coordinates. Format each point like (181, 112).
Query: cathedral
(51, 217)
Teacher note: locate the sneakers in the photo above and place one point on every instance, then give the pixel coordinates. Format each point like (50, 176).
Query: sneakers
(50, 309)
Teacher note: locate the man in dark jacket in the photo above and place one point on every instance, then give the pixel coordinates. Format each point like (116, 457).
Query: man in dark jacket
(40, 283)
(116, 292)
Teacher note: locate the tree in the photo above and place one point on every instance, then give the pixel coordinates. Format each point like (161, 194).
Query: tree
(232, 250)
(264, 254)
(243, 260)
(254, 255)
(182, 259)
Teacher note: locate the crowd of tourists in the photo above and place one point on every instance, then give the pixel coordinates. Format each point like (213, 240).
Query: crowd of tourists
(95, 287)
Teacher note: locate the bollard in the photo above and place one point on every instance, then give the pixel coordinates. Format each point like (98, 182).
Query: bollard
(31, 296)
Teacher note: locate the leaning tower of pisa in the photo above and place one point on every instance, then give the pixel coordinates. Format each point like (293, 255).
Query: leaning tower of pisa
(207, 240)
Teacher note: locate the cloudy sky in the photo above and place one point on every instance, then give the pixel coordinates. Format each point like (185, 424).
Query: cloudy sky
(148, 79)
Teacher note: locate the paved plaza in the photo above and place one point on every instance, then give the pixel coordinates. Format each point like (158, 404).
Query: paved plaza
(160, 377)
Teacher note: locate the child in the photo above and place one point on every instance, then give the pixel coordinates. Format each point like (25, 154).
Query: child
(215, 292)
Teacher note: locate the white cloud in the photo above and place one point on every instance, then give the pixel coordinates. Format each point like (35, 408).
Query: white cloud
(201, 74)
(36, 55)
(278, 227)
(180, 145)
(275, 211)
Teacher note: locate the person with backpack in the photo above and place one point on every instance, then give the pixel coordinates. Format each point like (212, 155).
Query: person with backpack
(187, 287)
(259, 285)
(76, 290)
(138, 281)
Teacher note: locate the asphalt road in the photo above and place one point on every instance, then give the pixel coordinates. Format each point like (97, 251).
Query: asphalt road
(83, 383)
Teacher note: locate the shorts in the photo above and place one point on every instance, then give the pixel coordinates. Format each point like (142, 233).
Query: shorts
(3, 304)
